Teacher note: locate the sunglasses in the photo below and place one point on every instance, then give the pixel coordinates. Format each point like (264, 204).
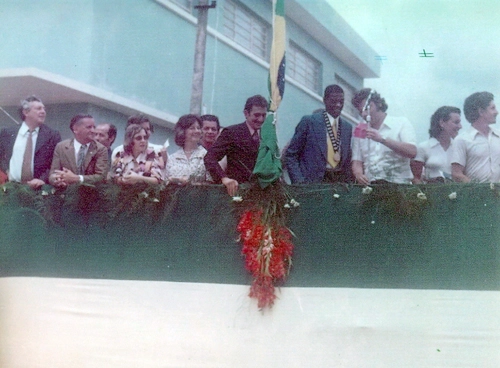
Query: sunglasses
(141, 138)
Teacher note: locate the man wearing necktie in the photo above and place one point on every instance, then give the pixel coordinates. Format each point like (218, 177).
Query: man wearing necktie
(320, 150)
(240, 143)
(26, 150)
(79, 159)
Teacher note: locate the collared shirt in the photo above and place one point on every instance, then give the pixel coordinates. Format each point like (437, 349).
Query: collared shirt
(192, 168)
(379, 161)
(16, 161)
(252, 130)
(479, 155)
(77, 148)
(437, 161)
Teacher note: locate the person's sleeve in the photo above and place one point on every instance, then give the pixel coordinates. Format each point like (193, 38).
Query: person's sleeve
(459, 152)
(101, 167)
(56, 161)
(55, 139)
(356, 149)
(421, 153)
(408, 134)
(221, 148)
(295, 151)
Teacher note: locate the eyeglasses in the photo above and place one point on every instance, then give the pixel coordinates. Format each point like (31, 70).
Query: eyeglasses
(141, 138)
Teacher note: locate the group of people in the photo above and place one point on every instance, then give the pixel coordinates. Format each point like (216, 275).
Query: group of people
(33, 153)
(383, 149)
(324, 149)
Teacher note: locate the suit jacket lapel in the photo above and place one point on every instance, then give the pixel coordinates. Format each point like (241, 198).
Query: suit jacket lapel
(70, 156)
(321, 134)
(90, 154)
(41, 140)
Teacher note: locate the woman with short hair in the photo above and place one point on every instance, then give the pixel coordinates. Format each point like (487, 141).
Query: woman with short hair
(186, 165)
(432, 164)
(137, 163)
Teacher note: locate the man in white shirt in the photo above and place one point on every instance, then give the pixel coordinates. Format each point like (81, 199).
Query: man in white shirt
(476, 152)
(26, 150)
(381, 151)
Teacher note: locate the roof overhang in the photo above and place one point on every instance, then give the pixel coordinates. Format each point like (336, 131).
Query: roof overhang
(16, 84)
(320, 20)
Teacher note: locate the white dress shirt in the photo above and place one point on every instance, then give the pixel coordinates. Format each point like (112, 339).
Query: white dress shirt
(16, 161)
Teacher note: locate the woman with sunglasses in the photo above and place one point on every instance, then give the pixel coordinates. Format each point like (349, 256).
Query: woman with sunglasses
(136, 163)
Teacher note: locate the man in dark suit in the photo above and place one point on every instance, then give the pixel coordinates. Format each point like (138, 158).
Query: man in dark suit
(320, 150)
(240, 143)
(79, 159)
(26, 150)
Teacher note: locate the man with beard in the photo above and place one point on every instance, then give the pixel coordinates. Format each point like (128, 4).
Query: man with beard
(240, 143)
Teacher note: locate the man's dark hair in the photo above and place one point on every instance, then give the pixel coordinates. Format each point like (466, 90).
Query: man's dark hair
(184, 123)
(476, 101)
(25, 105)
(256, 100)
(112, 132)
(375, 98)
(210, 118)
(139, 120)
(76, 119)
(332, 88)
(441, 114)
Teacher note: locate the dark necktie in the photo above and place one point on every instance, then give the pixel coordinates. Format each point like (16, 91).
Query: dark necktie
(81, 159)
(255, 136)
(26, 174)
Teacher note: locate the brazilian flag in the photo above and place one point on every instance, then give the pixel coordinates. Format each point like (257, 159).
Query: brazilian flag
(268, 167)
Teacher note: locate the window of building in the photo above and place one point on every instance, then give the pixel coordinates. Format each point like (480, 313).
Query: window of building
(349, 92)
(186, 4)
(303, 68)
(245, 28)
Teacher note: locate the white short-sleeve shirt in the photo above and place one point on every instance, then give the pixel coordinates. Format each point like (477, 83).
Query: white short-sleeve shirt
(437, 160)
(478, 154)
(379, 161)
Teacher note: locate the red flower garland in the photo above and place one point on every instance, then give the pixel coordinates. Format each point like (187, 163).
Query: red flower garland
(268, 255)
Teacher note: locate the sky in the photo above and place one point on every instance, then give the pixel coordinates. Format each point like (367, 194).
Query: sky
(462, 35)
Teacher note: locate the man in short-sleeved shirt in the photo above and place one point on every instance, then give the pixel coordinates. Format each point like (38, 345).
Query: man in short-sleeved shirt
(476, 151)
(381, 151)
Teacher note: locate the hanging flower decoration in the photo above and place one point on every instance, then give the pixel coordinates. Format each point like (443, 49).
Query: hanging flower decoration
(268, 255)
(266, 240)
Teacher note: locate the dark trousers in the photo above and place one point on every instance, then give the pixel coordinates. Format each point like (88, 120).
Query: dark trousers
(335, 176)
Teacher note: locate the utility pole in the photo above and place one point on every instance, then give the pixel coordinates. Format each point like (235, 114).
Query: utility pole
(199, 56)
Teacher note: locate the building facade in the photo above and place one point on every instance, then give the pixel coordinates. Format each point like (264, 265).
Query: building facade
(115, 58)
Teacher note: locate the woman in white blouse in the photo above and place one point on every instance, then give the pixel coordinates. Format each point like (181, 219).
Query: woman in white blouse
(432, 163)
(137, 163)
(186, 165)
